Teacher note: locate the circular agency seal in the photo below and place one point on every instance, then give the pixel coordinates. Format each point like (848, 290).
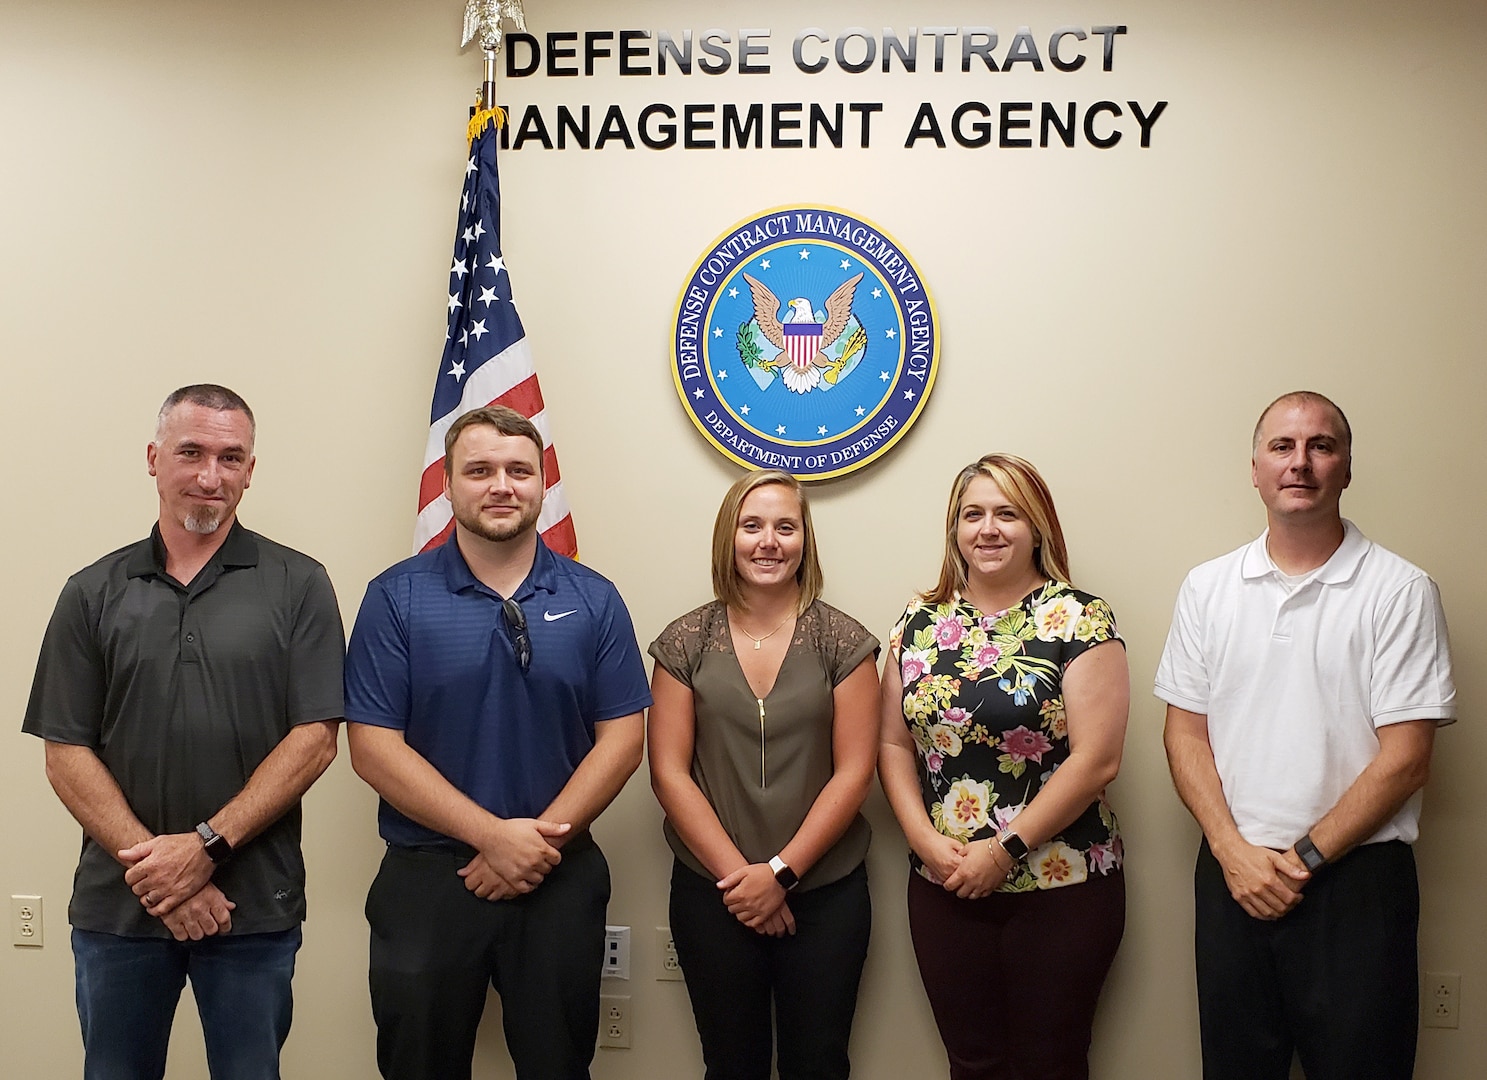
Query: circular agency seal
(805, 340)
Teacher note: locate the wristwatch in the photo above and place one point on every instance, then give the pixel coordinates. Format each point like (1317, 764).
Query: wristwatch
(783, 874)
(218, 849)
(1014, 845)
(1311, 858)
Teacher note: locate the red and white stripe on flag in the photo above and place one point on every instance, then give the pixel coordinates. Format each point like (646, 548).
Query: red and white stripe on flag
(802, 342)
(486, 359)
(507, 379)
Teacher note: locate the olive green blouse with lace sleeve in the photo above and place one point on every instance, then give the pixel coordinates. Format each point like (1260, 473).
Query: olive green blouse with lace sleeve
(761, 764)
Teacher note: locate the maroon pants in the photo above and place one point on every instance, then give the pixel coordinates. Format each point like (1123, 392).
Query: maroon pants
(1013, 978)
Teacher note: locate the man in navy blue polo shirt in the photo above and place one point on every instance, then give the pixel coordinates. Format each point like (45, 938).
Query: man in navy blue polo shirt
(495, 695)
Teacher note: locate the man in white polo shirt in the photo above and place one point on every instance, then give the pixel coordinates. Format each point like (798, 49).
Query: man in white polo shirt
(1305, 675)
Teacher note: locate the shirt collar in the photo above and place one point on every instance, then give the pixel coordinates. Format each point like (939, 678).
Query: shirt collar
(148, 557)
(458, 577)
(1257, 563)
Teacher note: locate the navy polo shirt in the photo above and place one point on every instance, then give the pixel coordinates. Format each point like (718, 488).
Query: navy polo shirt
(432, 656)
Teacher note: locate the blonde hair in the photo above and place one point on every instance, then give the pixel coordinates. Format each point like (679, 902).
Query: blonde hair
(808, 575)
(1025, 489)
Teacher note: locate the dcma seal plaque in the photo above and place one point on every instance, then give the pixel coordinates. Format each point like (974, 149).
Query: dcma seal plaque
(805, 340)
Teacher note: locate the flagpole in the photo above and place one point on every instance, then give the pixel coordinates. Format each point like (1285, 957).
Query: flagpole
(488, 87)
(483, 19)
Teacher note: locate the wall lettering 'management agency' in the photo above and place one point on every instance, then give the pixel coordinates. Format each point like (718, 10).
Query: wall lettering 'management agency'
(927, 51)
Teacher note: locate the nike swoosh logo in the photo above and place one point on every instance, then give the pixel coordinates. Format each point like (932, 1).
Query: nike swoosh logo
(548, 616)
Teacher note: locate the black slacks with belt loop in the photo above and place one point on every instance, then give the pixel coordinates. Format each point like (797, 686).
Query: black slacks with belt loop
(436, 947)
(1334, 980)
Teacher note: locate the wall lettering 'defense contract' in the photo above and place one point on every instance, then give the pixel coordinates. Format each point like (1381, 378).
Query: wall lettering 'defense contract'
(805, 340)
(688, 58)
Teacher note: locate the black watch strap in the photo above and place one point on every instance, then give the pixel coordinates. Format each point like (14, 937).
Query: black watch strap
(218, 849)
(1311, 858)
(1013, 845)
(783, 874)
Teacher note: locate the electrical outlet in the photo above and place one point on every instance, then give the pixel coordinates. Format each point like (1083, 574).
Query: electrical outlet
(671, 968)
(614, 1021)
(25, 921)
(1442, 999)
(616, 952)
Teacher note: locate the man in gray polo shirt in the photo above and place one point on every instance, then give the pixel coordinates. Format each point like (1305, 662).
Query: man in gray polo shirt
(189, 692)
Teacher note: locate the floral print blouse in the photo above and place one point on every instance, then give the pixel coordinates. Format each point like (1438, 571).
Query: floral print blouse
(983, 700)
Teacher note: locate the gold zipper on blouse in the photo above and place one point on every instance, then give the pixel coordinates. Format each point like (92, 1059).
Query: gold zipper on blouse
(761, 742)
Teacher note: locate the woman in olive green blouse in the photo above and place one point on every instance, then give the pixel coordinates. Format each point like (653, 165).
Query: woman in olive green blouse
(762, 746)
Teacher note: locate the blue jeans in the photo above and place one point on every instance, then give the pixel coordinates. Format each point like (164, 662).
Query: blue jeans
(128, 987)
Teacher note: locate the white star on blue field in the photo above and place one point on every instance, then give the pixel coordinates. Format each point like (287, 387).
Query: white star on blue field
(811, 270)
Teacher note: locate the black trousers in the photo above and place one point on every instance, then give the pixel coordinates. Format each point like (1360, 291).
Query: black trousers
(436, 946)
(1335, 980)
(1014, 978)
(734, 975)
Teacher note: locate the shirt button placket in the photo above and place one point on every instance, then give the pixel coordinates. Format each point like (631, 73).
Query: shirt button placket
(1281, 630)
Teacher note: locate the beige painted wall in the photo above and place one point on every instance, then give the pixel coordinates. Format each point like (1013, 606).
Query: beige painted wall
(263, 195)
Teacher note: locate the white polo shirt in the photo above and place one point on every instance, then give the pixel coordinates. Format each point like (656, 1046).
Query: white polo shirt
(1294, 681)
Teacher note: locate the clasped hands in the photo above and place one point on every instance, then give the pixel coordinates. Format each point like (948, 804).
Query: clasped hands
(1265, 882)
(756, 899)
(969, 870)
(172, 876)
(513, 857)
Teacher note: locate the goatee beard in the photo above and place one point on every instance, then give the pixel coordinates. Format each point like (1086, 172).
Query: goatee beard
(203, 520)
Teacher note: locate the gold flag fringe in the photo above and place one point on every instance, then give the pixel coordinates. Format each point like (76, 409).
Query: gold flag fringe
(495, 115)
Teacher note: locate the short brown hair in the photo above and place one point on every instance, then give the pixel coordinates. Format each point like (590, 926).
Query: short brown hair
(725, 569)
(505, 420)
(1025, 489)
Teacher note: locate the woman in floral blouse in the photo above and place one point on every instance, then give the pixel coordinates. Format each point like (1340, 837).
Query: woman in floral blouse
(1004, 713)
(763, 737)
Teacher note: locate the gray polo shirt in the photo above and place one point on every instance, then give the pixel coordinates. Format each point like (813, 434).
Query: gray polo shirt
(182, 692)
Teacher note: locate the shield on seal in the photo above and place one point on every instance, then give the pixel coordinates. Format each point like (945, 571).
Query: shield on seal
(802, 342)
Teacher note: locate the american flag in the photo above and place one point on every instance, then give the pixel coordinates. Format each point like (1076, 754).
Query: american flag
(486, 357)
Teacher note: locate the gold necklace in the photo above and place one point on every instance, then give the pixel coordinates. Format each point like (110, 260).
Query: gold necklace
(759, 641)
